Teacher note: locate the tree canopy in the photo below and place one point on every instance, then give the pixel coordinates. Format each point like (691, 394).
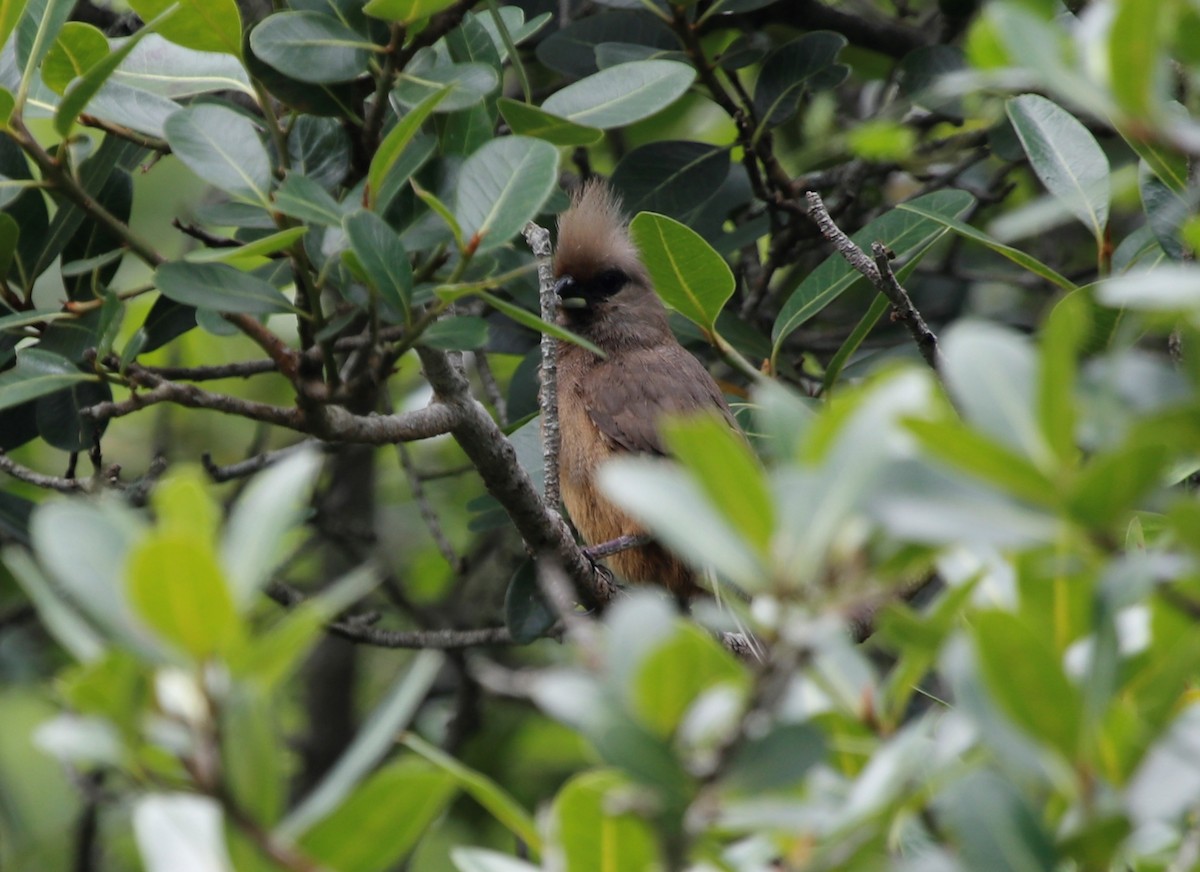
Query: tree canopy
(285, 584)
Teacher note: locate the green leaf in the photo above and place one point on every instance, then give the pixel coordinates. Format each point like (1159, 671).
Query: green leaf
(35, 316)
(1166, 288)
(963, 448)
(388, 813)
(673, 177)
(904, 231)
(78, 47)
(1020, 258)
(458, 333)
(481, 860)
(727, 470)
(59, 419)
(677, 511)
(405, 11)
(1138, 62)
(1066, 157)
(1026, 679)
(250, 254)
(178, 589)
(526, 120)
(526, 613)
(10, 14)
(990, 372)
(1110, 485)
(789, 69)
(383, 260)
(380, 176)
(533, 322)
(64, 623)
(483, 790)
(675, 673)
(39, 24)
(223, 148)
(623, 94)
(203, 25)
(595, 831)
(1064, 333)
(38, 373)
(501, 187)
(689, 276)
(255, 764)
(994, 824)
(376, 738)
(167, 69)
(301, 197)
(465, 85)
(312, 47)
(218, 287)
(777, 760)
(257, 536)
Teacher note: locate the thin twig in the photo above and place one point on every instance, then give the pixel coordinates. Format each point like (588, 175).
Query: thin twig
(903, 308)
(538, 239)
(616, 546)
(428, 513)
(879, 273)
(37, 479)
(251, 465)
(491, 388)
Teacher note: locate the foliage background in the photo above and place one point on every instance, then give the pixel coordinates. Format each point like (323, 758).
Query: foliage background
(249, 225)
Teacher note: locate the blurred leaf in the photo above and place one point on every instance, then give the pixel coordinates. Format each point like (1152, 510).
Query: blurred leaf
(1066, 157)
(388, 813)
(1166, 288)
(483, 790)
(677, 511)
(1064, 333)
(178, 588)
(526, 613)
(995, 826)
(777, 760)
(990, 372)
(921, 72)
(268, 510)
(591, 831)
(372, 742)
(203, 25)
(787, 70)
(965, 449)
(36, 374)
(1112, 482)
(1027, 682)
(405, 11)
(727, 470)
(622, 94)
(223, 148)
(674, 674)
(383, 260)
(312, 47)
(502, 186)
(10, 14)
(903, 230)
(689, 276)
(382, 179)
(168, 826)
(1166, 212)
(481, 860)
(526, 120)
(218, 287)
(1138, 63)
(254, 763)
(58, 617)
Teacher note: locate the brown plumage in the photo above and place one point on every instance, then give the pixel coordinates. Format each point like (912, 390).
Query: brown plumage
(614, 405)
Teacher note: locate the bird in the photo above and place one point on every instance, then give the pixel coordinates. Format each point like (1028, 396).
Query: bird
(614, 405)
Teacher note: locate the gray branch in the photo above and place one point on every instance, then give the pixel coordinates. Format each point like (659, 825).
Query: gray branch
(538, 239)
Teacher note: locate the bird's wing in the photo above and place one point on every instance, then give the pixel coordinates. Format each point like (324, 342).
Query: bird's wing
(627, 395)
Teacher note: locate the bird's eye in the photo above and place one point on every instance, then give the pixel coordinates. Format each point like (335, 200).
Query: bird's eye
(610, 281)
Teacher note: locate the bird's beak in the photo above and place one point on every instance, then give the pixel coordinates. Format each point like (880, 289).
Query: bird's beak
(568, 299)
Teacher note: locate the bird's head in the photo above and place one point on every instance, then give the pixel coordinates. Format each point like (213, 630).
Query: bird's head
(600, 280)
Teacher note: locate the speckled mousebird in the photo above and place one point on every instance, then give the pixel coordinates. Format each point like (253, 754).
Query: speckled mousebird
(614, 405)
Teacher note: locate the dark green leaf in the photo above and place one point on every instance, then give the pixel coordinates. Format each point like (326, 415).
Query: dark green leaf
(36, 374)
(778, 760)
(223, 148)
(218, 287)
(526, 613)
(526, 120)
(459, 333)
(301, 197)
(571, 50)
(59, 421)
(671, 178)
(383, 260)
(311, 47)
(465, 85)
(622, 94)
(788, 70)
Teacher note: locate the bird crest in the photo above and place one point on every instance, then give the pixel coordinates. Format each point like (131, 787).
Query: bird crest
(593, 235)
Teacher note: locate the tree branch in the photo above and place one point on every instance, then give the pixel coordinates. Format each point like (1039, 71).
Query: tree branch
(538, 239)
(879, 273)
